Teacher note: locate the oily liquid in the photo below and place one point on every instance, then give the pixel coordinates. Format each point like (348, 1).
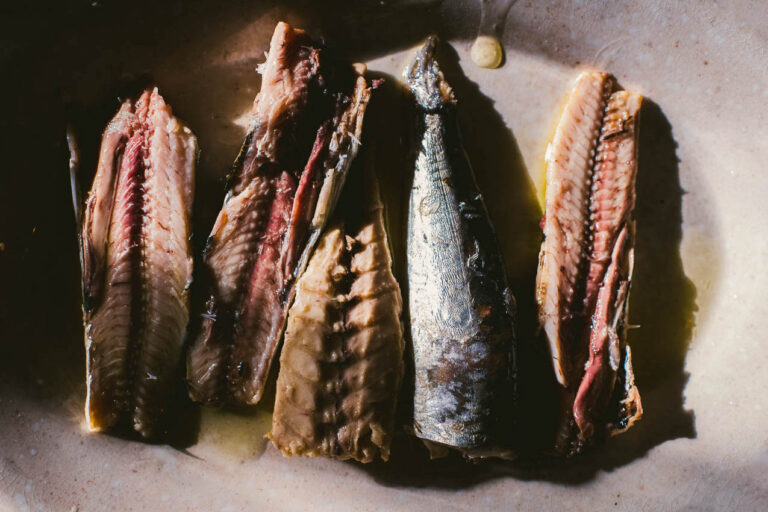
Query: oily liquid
(229, 433)
(487, 50)
(236, 432)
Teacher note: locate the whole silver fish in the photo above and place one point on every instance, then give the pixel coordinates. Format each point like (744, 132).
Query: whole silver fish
(461, 308)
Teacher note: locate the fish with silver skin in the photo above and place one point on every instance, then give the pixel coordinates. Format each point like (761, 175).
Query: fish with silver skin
(585, 263)
(304, 133)
(137, 265)
(462, 312)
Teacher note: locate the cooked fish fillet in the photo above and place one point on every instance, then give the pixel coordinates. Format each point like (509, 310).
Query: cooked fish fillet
(461, 308)
(569, 169)
(342, 358)
(304, 133)
(585, 264)
(137, 265)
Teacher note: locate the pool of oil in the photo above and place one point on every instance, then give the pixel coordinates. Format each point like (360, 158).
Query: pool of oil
(228, 435)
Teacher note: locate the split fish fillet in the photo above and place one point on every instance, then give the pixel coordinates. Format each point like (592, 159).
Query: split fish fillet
(304, 133)
(342, 358)
(585, 263)
(137, 265)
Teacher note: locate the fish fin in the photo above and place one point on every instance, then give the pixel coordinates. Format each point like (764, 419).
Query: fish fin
(436, 450)
(74, 182)
(237, 167)
(77, 201)
(629, 405)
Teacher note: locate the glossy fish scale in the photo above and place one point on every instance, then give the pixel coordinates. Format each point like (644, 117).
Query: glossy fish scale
(341, 363)
(585, 264)
(461, 309)
(304, 133)
(137, 265)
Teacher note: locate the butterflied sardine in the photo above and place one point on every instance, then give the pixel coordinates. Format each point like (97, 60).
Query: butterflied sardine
(137, 264)
(461, 308)
(585, 264)
(342, 358)
(304, 132)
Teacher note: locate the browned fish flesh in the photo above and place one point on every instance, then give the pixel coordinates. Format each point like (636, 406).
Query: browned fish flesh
(137, 265)
(304, 132)
(585, 264)
(342, 358)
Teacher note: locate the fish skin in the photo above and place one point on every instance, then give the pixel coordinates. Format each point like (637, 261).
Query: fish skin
(342, 358)
(137, 265)
(304, 134)
(461, 308)
(586, 260)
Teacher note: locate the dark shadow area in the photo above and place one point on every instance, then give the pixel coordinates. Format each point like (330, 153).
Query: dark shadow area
(81, 62)
(386, 149)
(77, 73)
(360, 30)
(410, 466)
(663, 300)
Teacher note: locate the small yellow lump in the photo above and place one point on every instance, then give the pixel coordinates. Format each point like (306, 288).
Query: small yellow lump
(486, 52)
